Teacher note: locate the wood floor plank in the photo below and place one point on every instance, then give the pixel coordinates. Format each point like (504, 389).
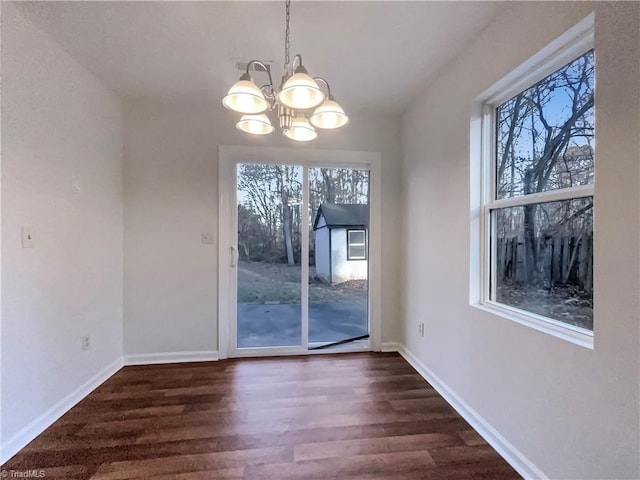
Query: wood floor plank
(461, 454)
(352, 417)
(231, 460)
(79, 417)
(369, 446)
(226, 474)
(393, 465)
(471, 438)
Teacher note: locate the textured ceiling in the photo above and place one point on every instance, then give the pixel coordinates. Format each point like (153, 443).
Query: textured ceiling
(374, 54)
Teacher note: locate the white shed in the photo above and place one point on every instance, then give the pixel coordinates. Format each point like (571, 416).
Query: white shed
(341, 248)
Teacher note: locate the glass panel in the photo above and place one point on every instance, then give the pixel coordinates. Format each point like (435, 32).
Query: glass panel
(356, 252)
(269, 273)
(545, 135)
(544, 259)
(356, 237)
(338, 287)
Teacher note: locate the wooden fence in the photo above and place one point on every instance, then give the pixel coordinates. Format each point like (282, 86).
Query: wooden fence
(561, 261)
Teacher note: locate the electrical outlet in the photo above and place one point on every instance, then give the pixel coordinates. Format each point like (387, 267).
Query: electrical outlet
(421, 329)
(86, 343)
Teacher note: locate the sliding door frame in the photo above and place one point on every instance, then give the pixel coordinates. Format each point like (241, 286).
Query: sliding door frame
(229, 157)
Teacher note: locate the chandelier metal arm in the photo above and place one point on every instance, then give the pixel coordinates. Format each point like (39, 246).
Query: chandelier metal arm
(298, 57)
(320, 79)
(270, 94)
(264, 66)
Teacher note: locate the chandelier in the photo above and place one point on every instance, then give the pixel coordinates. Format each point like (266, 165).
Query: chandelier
(298, 96)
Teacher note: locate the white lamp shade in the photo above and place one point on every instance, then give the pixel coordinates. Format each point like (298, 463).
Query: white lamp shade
(329, 115)
(300, 130)
(301, 92)
(245, 97)
(255, 124)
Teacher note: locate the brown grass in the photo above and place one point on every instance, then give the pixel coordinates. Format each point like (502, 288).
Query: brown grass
(262, 282)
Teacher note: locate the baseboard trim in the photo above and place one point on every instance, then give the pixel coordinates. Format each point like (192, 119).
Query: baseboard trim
(525, 467)
(390, 347)
(171, 357)
(18, 441)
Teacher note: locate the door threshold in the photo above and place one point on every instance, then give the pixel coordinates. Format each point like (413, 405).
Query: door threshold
(352, 347)
(342, 347)
(321, 346)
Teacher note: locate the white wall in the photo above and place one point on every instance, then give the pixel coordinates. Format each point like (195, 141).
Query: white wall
(571, 411)
(342, 269)
(58, 121)
(170, 278)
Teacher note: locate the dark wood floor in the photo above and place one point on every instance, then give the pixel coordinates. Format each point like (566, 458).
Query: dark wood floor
(356, 416)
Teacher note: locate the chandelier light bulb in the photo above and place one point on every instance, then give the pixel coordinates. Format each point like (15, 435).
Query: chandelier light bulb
(301, 96)
(329, 115)
(255, 124)
(300, 130)
(245, 102)
(245, 97)
(301, 92)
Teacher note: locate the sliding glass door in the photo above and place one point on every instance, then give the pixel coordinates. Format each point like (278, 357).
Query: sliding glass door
(338, 260)
(295, 250)
(269, 244)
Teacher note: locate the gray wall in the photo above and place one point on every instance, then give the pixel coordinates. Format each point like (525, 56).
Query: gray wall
(171, 183)
(58, 122)
(571, 411)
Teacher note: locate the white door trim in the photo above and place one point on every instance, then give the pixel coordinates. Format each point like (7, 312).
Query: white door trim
(228, 157)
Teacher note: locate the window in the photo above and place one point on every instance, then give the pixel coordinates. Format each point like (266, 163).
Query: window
(538, 190)
(356, 245)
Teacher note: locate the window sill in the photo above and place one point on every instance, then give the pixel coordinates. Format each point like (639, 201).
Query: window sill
(569, 333)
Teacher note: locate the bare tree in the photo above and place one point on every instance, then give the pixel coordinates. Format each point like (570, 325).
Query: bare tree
(283, 178)
(272, 195)
(544, 142)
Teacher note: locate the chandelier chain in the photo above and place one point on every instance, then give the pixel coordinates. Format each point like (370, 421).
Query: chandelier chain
(286, 36)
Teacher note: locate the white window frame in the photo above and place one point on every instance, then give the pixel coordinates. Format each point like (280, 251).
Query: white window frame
(571, 45)
(349, 244)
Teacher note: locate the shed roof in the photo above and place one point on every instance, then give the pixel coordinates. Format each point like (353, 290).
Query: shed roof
(342, 215)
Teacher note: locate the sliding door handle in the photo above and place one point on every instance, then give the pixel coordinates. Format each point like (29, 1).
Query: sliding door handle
(235, 256)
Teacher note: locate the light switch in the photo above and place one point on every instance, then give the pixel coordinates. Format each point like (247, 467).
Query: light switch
(207, 238)
(28, 240)
(76, 184)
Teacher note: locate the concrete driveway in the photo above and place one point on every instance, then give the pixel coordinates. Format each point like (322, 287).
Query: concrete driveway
(267, 325)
